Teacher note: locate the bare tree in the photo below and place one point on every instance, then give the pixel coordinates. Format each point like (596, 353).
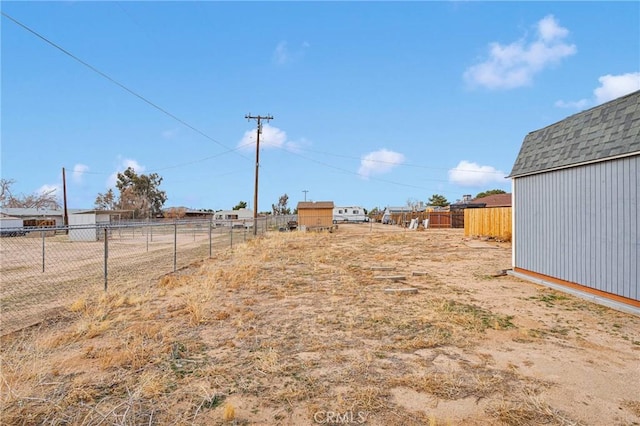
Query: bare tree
(5, 191)
(42, 200)
(281, 207)
(106, 201)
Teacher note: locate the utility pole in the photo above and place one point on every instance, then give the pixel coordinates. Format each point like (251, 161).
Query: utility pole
(259, 119)
(305, 194)
(64, 194)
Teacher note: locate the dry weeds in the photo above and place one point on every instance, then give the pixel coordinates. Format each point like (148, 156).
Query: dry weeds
(290, 327)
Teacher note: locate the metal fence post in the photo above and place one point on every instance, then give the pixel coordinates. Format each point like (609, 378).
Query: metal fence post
(175, 246)
(43, 259)
(231, 234)
(148, 228)
(106, 256)
(210, 239)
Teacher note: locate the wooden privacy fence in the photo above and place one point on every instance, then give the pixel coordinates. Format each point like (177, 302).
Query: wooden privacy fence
(488, 222)
(452, 219)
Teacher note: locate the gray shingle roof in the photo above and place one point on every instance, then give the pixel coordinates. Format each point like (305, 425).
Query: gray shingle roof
(606, 131)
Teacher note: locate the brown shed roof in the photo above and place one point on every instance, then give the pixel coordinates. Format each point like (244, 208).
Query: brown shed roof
(315, 205)
(495, 200)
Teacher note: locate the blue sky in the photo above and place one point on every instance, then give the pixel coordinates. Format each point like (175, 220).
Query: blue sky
(374, 103)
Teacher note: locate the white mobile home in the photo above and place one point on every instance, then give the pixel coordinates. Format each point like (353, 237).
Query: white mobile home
(234, 217)
(349, 214)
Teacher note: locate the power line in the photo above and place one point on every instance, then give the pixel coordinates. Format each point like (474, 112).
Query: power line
(360, 175)
(394, 162)
(228, 150)
(122, 86)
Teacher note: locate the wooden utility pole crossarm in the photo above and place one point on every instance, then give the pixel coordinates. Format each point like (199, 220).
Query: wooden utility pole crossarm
(259, 119)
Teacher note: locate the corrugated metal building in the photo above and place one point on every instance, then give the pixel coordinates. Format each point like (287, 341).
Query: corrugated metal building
(576, 190)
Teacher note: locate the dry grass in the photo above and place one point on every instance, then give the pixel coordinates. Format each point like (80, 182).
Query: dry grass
(528, 409)
(278, 330)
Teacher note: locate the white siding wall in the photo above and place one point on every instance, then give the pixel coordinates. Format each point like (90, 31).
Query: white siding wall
(83, 234)
(581, 225)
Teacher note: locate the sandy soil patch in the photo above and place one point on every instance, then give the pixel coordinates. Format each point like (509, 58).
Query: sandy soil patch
(297, 328)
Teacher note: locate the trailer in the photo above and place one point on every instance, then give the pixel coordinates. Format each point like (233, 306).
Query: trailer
(349, 214)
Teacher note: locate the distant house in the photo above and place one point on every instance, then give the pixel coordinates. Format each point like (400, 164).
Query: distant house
(33, 217)
(495, 200)
(186, 213)
(576, 187)
(315, 215)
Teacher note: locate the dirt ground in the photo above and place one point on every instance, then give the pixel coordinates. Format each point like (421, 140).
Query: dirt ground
(370, 325)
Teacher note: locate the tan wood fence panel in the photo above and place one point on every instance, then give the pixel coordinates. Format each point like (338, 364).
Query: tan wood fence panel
(488, 222)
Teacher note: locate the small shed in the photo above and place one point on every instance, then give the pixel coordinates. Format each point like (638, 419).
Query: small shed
(576, 188)
(85, 225)
(315, 215)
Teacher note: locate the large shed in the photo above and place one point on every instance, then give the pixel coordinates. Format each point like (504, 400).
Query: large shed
(576, 185)
(315, 215)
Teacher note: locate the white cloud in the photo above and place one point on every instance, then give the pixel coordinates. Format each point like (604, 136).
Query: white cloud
(125, 163)
(514, 65)
(282, 54)
(78, 172)
(379, 162)
(467, 173)
(611, 87)
(549, 29)
(271, 137)
(614, 86)
(47, 188)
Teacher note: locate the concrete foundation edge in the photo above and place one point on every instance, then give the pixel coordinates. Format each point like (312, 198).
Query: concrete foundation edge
(619, 306)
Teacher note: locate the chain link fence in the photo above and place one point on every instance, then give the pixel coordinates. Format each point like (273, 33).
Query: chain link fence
(43, 269)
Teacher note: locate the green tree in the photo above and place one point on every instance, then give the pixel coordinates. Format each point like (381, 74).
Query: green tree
(240, 205)
(281, 207)
(438, 200)
(490, 192)
(140, 193)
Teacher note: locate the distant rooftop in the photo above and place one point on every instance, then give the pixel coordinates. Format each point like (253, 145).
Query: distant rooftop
(495, 200)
